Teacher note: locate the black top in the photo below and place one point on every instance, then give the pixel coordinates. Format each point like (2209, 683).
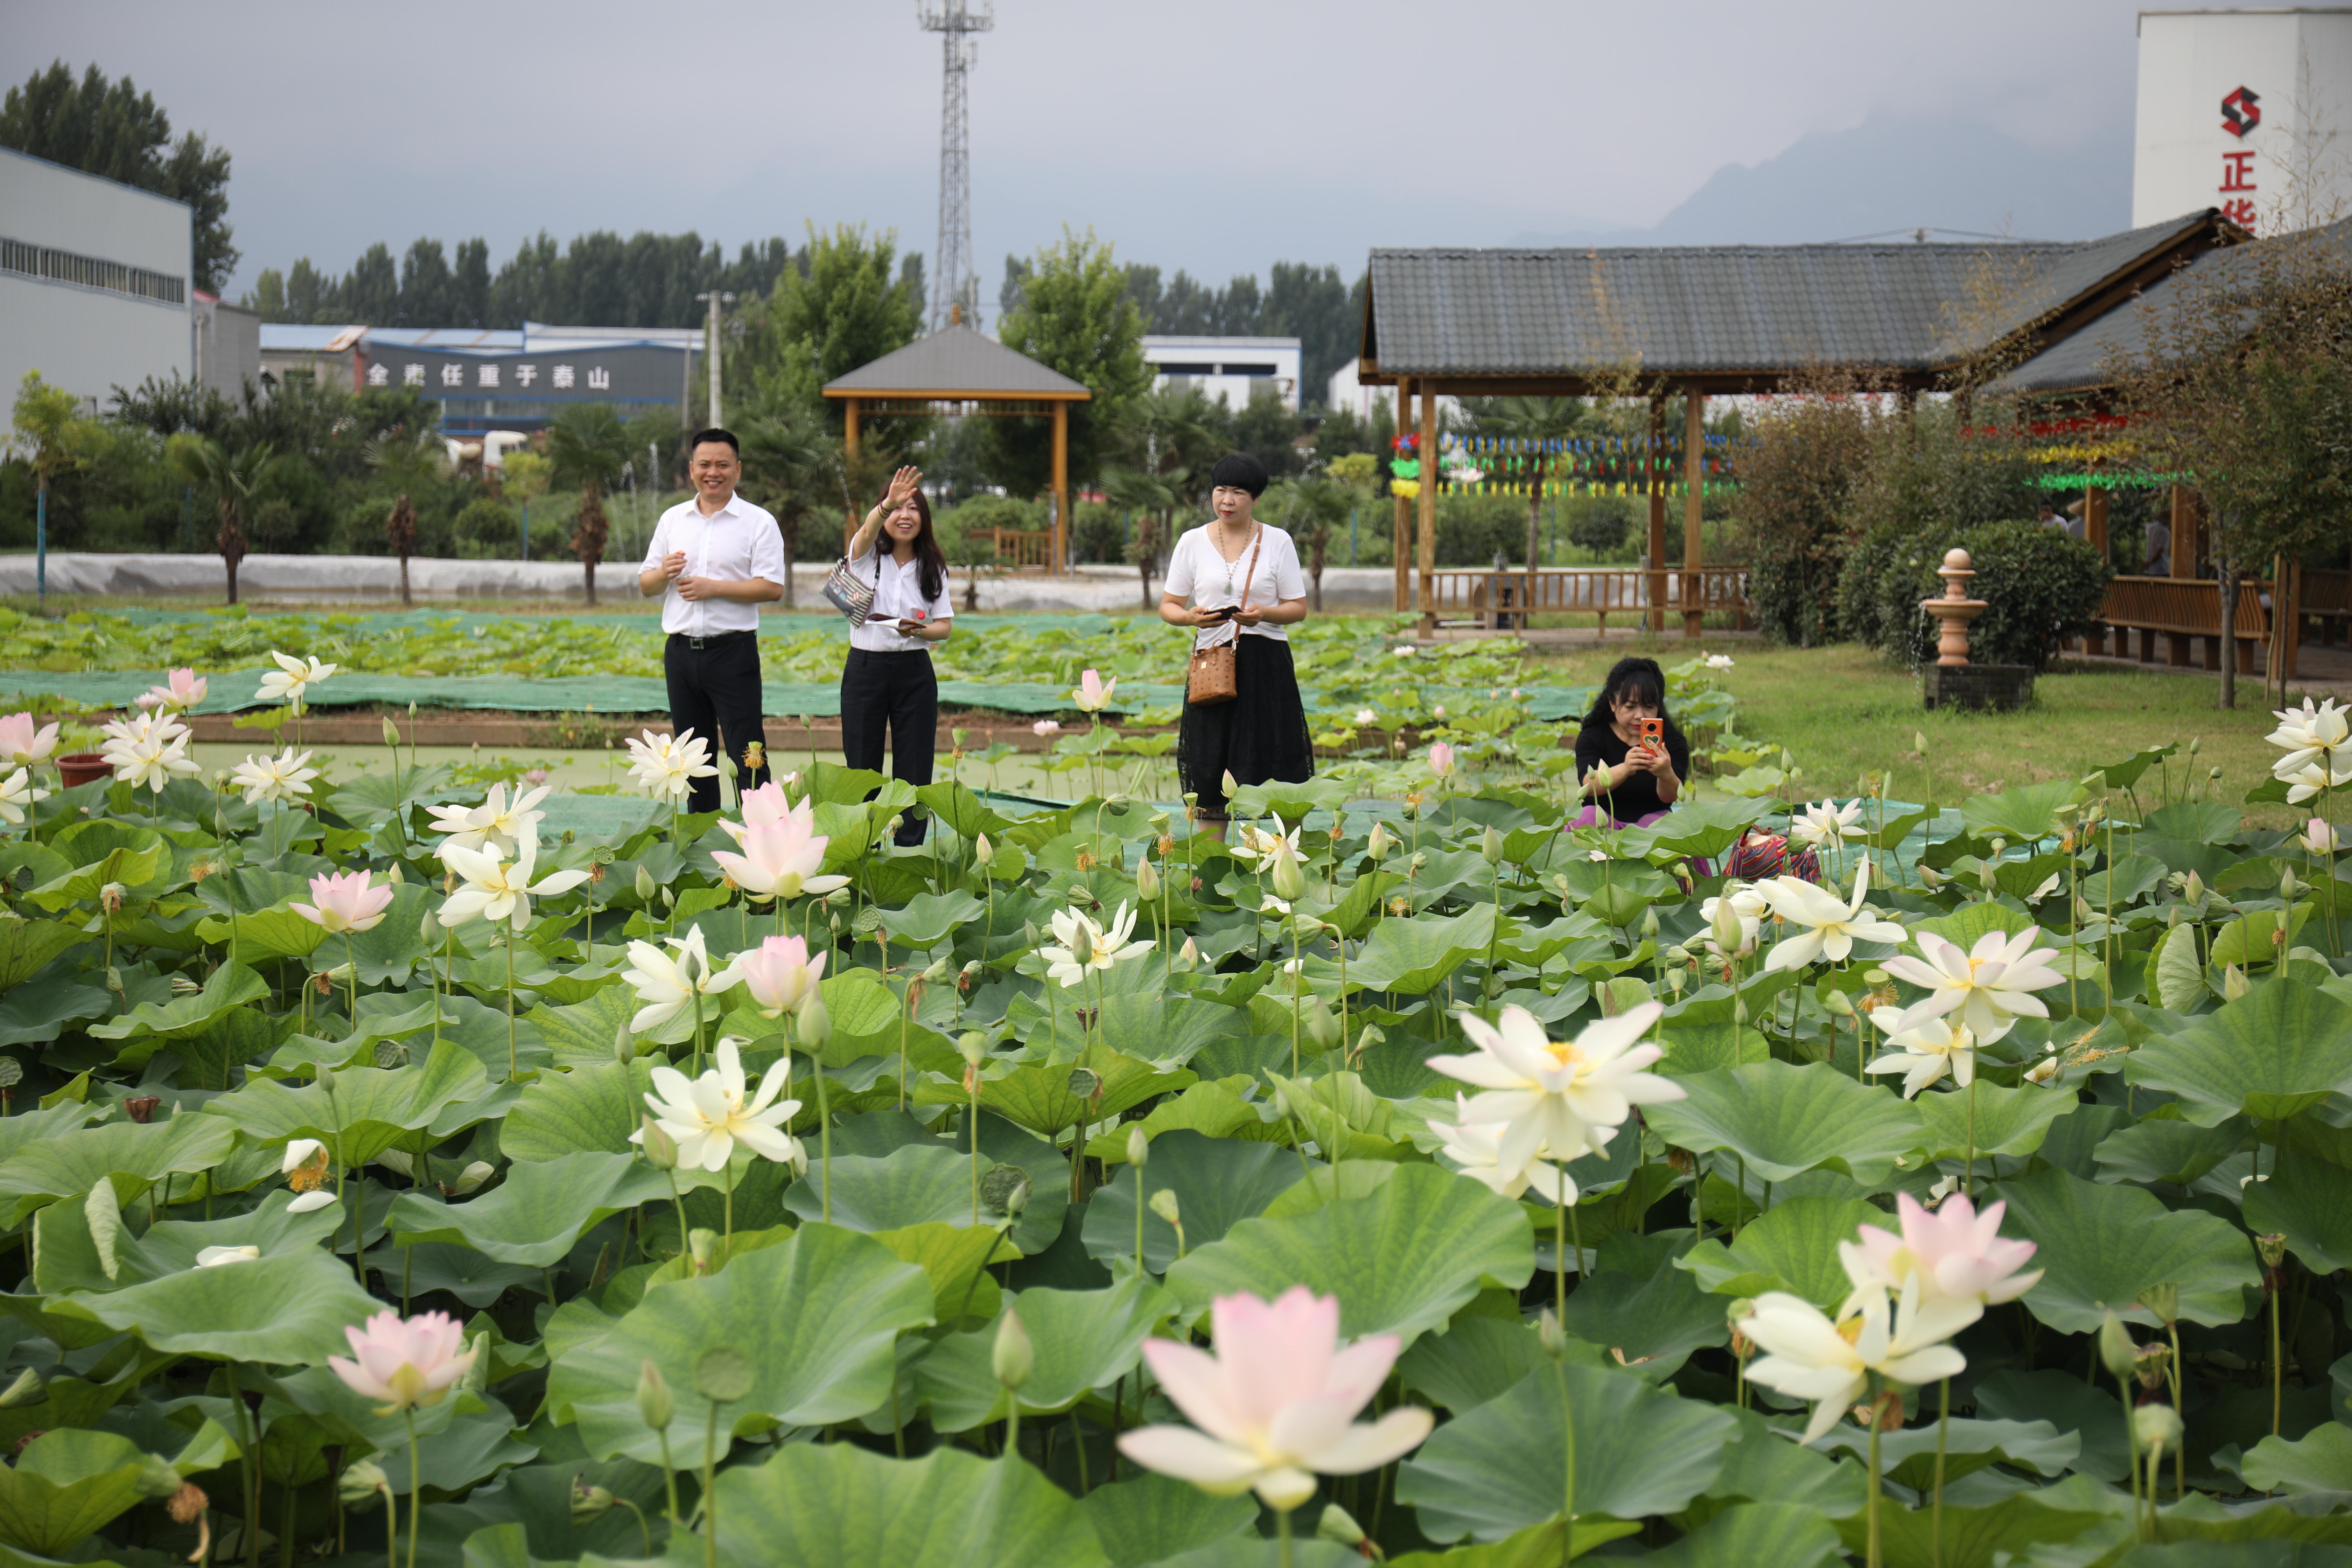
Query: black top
(1597, 745)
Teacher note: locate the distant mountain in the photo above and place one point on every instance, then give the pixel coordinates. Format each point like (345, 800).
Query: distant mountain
(1899, 173)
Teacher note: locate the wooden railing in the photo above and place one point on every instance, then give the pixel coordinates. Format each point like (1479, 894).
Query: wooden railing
(1019, 549)
(1501, 597)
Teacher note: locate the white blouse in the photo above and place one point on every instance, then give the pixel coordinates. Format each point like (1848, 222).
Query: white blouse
(899, 596)
(1197, 572)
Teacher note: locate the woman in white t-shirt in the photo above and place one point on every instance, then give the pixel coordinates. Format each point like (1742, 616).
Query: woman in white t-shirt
(887, 683)
(1261, 735)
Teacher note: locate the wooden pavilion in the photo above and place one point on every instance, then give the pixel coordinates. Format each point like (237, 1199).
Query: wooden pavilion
(957, 371)
(1719, 321)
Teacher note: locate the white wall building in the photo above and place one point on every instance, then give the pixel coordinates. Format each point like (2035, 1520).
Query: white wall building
(1344, 390)
(2250, 111)
(228, 346)
(95, 281)
(1228, 369)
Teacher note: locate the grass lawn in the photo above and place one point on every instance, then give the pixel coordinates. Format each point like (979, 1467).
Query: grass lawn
(1842, 711)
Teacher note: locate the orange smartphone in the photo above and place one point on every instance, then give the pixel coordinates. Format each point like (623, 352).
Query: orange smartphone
(1654, 732)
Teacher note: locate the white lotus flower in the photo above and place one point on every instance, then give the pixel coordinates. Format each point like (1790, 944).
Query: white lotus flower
(1085, 945)
(1925, 1049)
(1826, 823)
(1832, 927)
(308, 1202)
(1990, 985)
(666, 981)
(1807, 1356)
(2311, 736)
(1557, 1100)
(1366, 716)
(499, 889)
(149, 750)
(666, 766)
(291, 681)
(1719, 661)
(19, 795)
(285, 776)
(1476, 1149)
(2311, 779)
(298, 1153)
(708, 1116)
(494, 822)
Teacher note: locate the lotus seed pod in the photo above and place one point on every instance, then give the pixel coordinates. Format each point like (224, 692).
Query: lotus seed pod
(2164, 1301)
(361, 1481)
(590, 1502)
(1012, 1358)
(2273, 1250)
(1139, 1146)
(2156, 1426)
(723, 1374)
(2154, 1357)
(973, 1046)
(656, 1407)
(997, 1188)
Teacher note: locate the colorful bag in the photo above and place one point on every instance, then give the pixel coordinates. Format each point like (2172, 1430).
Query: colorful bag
(1762, 855)
(853, 598)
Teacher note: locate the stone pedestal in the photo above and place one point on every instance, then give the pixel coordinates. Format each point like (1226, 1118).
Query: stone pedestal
(2000, 687)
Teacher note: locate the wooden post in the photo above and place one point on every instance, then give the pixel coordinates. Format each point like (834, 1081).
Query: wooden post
(2094, 519)
(1428, 509)
(1654, 479)
(2186, 545)
(849, 408)
(1404, 542)
(1693, 482)
(1061, 487)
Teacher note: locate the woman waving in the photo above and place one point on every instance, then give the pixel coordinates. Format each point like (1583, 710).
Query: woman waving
(888, 684)
(1236, 581)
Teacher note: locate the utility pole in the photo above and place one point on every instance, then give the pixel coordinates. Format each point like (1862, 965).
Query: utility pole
(956, 284)
(712, 354)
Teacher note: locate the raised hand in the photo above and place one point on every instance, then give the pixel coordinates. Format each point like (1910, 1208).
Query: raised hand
(902, 488)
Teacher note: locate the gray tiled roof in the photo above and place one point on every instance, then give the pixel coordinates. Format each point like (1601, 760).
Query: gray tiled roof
(2085, 359)
(958, 359)
(1723, 309)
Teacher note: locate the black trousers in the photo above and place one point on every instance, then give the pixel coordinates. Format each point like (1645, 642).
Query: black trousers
(897, 692)
(714, 690)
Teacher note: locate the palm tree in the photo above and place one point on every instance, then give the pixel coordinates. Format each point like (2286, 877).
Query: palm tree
(1317, 501)
(787, 459)
(49, 427)
(1535, 421)
(232, 479)
(406, 456)
(1150, 497)
(587, 444)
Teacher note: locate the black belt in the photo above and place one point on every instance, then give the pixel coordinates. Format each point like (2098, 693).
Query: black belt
(703, 642)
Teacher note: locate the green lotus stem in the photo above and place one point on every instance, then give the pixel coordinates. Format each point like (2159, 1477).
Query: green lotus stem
(825, 1140)
(1139, 1270)
(645, 1531)
(1567, 1479)
(1872, 1556)
(669, 1470)
(391, 1527)
(971, 1128)
(2181, 1450)
(710, 1487)
(2275, 1357)
(353, 965)
(1282, 1536)
(726, 1232)
(1943, 1433)
(511, 934)
(416, 1489)
(1558, 1249)
(1970, 1183)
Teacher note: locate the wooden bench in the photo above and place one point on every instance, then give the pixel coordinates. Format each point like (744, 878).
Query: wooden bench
(2186, 612)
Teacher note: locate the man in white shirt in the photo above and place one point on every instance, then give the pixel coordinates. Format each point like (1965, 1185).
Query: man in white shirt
(714, 561)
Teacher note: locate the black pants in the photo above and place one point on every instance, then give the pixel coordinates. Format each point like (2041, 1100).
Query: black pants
(714, 690)
(897, 690)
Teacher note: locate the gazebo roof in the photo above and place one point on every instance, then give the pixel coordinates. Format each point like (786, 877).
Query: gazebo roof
(1742, 317)
(956, 364)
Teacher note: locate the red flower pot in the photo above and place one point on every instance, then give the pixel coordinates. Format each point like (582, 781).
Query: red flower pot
(83, 767)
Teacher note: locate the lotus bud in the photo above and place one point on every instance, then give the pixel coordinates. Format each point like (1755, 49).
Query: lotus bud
(1289, 879)
(1549, 1334)
(2163, 1300)
(983, 853)
(1163, 1204)
(2156, 1426)
(656, 1407)
(362, 1480)
(1739, 1009)
(474, 1173)
(390, 734)
(2234, 984)
(669, 899)
(1650, 923)
(25, 1390)
(1490, 844)
(973, 1046)
(1930, 878)
(1726, 926)
(1676, 979)
(1139, 1146)
(590, 1502)
(2288, 885)
(1340, 1526)
(1987, 873)
(646, 884)
(816, 1023)
(625, 1044)
(1321, 1026)
(1016, 1202)
(428, 931)
(1012, 1358)
(1147, 881)
(1840, 1003)
(180, 986)
(701, 1247)
(1919, 741)
(1418, 863)
(661, 1149)
(1188, 957)
(2117, 1351)
(1229, 785)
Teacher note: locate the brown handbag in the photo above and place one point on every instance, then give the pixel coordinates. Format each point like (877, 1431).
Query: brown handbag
(1213, 677)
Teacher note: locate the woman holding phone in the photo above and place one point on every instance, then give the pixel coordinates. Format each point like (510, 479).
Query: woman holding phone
(1236, 580)
(887, 683)
(1631, 756)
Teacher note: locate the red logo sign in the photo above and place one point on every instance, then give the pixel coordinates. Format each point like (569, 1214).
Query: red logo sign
(2240, 113)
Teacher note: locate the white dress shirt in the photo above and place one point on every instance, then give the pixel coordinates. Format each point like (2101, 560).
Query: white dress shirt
(898, 594)
(1196, 572)
(734, 544)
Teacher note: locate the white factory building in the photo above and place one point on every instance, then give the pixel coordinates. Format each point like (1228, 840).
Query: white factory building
(2250, 111)
(1230, 370)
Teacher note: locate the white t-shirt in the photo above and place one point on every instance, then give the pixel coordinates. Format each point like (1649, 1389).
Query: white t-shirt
(736, 543)
(1198, 573)
(899, 596)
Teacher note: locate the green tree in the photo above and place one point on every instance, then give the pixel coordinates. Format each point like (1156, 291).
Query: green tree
(407, 457)
(788, 466)
(233, 480)
(1152, 499)
(112, 130)
(1305, 508)
(586, 446)
(843, 308)
(1532, 421)
(48, 427)
(1074, 316)
(524, 477)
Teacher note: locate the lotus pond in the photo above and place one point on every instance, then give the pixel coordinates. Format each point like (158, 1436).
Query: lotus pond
(392, 1179)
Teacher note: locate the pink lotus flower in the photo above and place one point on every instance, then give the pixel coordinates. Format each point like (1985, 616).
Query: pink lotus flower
(1045, 727)
(407, 1364)
(1957, 1252)
(1441, 760)
(1276, 1402)
(181, 690)
(346, 902)
(779, 974)
(781, 859)
(24, 745)
(1093, 695)
(762, 808)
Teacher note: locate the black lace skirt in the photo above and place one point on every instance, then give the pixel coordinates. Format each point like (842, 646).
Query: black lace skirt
(1261, 735)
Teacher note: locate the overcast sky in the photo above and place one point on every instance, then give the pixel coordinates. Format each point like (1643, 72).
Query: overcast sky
(1216, 135)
